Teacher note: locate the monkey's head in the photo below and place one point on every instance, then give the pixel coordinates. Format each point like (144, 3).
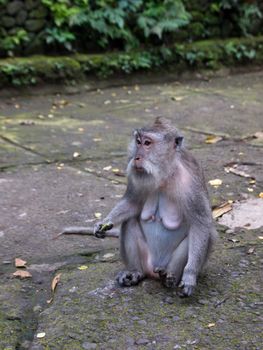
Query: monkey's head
(153, 149)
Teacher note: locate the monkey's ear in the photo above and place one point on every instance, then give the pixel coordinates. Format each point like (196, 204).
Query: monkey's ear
(179, 141)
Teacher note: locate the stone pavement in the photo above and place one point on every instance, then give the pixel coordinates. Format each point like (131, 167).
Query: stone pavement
(62, 162)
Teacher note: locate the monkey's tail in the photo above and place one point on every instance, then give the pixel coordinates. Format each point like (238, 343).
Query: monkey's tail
(85, 230)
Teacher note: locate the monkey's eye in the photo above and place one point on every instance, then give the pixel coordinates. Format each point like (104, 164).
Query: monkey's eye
(147, 143)
(138, 142)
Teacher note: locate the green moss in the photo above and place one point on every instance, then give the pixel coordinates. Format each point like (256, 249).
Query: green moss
(208, 54)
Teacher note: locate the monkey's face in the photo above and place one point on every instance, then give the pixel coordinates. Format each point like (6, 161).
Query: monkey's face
(149, 154)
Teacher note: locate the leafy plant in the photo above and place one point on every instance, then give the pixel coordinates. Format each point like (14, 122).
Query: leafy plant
(126, 23)
(19, 75)
(60, 36)
(159, 17)
(240, 52)
(11, 42)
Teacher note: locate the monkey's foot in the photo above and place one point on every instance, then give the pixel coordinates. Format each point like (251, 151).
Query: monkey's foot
(185, 290)
(129, 278)
(168, 279)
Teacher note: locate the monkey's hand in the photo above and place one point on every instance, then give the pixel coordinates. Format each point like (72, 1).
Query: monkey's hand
(100, 229)
(187, 284)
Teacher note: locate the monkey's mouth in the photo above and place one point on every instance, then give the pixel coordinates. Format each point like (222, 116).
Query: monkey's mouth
(139, 169)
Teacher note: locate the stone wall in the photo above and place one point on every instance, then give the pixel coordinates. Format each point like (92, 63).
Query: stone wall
(28, 15)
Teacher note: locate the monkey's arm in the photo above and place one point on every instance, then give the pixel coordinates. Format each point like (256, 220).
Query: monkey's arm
(124, 210)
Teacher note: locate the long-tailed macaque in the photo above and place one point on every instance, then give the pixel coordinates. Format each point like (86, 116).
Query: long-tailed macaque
(166, 223)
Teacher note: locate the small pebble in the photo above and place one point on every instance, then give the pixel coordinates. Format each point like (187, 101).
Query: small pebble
(142, 341)
(89, 346)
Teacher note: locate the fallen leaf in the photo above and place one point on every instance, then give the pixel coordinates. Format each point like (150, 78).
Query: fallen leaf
(136, 88)
(213, 139)
(54, 284)
(250, 189)
(20, 262)
(97, 139)
(123, 101)
(22, 274)
(41, 335)
(81, 129)
(261, 195)
(234, 240)
(83, 267)
(115, 170)
(210, 325)
(108, 256)
(76, 155)
(222, 209)
(107, 102)
(55, 281)
(177, 98)
(27, 122)
(97, 215)
(119, 173)
(260, 237)
(251, 250)
(107, 168)
(215, 182)
(258, 135)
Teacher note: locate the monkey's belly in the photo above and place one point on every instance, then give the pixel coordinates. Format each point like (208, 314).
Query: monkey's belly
(161, 241)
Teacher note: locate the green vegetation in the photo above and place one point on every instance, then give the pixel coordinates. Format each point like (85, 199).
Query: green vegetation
(104, 25)
(104, 37)
(207, 54)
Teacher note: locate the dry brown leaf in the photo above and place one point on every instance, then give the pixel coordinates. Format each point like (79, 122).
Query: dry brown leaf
(261, 195)
(222, 209)
(22, 274)
(19, 262)
(213, 139)
(55, 281)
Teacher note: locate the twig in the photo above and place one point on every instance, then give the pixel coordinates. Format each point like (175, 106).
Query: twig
(83, 230)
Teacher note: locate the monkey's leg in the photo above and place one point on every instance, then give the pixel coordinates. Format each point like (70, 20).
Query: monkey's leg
(135, 254)
(199, 240)
(172, 275)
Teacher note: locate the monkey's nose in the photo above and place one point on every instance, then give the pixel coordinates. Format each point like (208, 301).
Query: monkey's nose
(137, 158)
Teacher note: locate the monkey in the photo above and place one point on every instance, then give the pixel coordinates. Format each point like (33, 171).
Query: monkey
(167, 229)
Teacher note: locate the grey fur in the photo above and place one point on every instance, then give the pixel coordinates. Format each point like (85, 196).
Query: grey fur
(165, 216)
